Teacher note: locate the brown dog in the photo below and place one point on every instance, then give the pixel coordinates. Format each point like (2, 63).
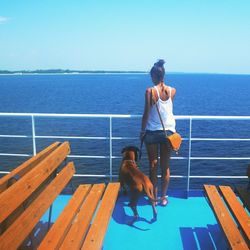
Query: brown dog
(131, 176)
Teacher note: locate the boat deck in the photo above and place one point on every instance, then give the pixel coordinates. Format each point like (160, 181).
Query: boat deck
(185, 223)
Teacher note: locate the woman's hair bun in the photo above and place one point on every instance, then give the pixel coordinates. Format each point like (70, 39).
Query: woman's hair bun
(158, 71)
(160, 63)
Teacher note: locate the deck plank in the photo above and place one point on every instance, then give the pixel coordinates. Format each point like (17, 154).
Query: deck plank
(80, 225)
(60, 228)
(235, 239)
(237, 209)
(31, 216)
(96, 234)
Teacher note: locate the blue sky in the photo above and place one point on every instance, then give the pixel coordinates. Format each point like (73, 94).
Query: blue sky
(191, 35)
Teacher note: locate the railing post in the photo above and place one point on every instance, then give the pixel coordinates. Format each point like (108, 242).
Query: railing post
(33, 135)
(189, 154)
(110, 149)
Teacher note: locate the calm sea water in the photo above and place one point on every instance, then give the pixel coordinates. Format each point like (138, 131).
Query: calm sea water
(197, 94)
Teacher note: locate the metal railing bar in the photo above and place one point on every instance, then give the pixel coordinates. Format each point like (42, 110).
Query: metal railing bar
(33, 134)
(115, 138)
(4, 172)
(220, 139)
(15, 136)
(118, 157)
(178, 117)
(72, 137)
(94, 175)
(89, 156)
(218, 177)
(210, 117)
(220, 158)
(110, 148)
(173, 176)
(69, 115)
(189, 153)
(84, 137)
(6, 154)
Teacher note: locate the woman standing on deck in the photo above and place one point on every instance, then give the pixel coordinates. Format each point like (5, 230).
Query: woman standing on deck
(152, 131)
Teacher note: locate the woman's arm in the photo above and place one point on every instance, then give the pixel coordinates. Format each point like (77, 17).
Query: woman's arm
(146, 111)
(173, 92)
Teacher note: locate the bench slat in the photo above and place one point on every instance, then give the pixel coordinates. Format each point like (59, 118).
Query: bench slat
(96, 234)
(26, 166)
(231, 231)
(20, 229)
(15, 195)
(56, 234)
(80, 225)
(237, 209)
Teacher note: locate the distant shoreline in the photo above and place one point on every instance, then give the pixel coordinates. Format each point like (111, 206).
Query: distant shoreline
(70, 72)
(78, 72)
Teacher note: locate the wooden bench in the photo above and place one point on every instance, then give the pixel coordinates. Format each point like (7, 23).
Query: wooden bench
(29, 190)
(24, 168)
(231, 215)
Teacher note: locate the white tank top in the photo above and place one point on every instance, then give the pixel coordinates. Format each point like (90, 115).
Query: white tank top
(166, 111)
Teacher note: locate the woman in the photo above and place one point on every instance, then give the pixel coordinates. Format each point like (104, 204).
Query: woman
(152, 131)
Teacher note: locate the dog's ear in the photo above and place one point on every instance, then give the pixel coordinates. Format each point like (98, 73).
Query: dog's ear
(123, 150)
(131, 148)
(136, 151)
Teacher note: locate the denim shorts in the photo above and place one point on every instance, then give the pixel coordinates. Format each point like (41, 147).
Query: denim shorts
(156, 137)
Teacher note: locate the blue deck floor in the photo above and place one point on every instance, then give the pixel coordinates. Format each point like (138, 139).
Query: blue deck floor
(183, 224)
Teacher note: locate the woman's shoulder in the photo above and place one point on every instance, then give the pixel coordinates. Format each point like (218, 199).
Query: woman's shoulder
(149, 91)
(171, 90)
(151, 95)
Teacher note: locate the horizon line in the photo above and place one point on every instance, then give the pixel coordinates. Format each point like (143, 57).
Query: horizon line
(71, 71)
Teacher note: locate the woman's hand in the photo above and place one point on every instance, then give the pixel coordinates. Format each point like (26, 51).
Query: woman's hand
(142, 135)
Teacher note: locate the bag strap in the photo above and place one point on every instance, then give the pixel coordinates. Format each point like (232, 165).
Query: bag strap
(140, 150)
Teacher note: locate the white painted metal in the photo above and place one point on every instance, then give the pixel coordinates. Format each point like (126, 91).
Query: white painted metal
(111, 138)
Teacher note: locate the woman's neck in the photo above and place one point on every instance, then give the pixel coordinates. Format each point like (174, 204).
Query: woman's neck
(159, 84)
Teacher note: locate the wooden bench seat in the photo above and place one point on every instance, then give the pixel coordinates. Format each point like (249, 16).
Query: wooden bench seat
(76, 228)
(24, 168)
(24, 200)
(231, 215)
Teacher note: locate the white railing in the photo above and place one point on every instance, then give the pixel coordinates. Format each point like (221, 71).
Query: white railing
(110, 117)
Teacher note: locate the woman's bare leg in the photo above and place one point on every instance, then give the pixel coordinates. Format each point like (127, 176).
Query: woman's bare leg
(165, 152)
(152, 150)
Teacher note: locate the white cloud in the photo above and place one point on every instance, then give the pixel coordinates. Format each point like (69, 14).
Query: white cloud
(3, 19)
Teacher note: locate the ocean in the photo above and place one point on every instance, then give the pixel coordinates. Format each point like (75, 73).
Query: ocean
(197, 94)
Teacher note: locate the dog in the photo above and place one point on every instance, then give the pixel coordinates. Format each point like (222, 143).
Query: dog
(131, 176)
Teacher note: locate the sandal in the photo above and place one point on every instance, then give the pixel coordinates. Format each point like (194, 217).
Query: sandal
(164, 201)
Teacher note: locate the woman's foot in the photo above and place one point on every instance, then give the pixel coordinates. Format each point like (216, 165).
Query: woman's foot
(164, 201)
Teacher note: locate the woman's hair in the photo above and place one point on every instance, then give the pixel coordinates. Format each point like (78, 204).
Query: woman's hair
(158, 71)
